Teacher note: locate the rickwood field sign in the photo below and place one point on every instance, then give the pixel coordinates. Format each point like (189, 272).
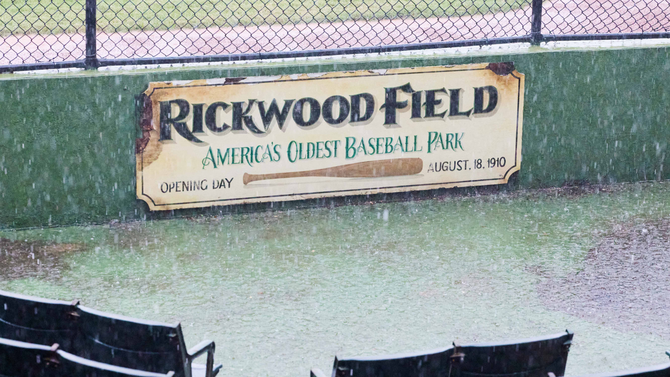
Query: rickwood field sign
(258, 139)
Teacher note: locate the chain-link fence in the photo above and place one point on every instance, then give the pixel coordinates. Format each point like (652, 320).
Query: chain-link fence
(38, 34)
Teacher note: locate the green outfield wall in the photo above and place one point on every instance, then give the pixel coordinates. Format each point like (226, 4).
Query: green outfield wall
(67, 140)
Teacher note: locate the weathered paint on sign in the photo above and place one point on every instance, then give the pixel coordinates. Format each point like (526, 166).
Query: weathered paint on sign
(258, 139)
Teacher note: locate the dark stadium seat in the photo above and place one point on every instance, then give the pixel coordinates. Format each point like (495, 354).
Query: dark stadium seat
(103, 337)
(536, 357)
(20, 359)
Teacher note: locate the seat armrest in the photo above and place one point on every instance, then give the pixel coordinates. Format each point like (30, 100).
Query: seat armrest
(202, 347)
(316, 372)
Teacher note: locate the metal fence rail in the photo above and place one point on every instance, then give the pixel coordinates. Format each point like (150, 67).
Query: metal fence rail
(41, 34)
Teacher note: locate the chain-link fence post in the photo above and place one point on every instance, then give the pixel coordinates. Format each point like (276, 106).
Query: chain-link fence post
(536, 23)
(91, 60)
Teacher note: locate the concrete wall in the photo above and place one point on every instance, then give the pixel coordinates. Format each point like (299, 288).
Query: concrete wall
(67, 140)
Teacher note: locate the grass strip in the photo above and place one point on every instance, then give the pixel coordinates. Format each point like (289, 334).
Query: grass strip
(67, 16)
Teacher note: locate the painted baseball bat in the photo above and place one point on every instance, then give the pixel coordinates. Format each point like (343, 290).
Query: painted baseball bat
(370, 169)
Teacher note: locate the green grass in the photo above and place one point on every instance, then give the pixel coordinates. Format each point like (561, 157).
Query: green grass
(58, 16)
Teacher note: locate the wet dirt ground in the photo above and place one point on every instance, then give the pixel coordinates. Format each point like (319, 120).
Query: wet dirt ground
(623, 282)
(22, 259)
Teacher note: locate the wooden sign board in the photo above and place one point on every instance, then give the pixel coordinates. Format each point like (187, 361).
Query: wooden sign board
(259, 139)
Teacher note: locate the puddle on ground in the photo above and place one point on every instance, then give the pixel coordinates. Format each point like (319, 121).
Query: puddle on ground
(282, 291)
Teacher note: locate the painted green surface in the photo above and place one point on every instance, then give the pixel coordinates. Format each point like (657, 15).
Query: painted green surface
(67, 141)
